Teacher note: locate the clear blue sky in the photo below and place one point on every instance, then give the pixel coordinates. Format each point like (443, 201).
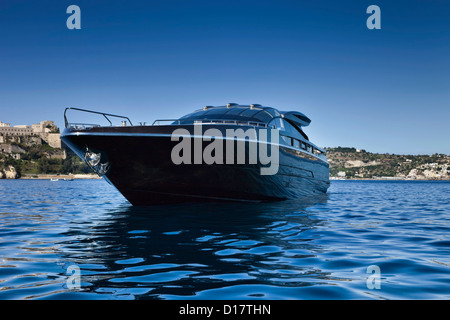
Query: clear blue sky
(382, 90)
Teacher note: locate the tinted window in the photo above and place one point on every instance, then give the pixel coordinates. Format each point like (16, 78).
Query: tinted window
(216, 111)
(235, 110)
(233, 113)
(263, 116)
(291, 130)
(303, 145)
(277, 123)
(285, 140)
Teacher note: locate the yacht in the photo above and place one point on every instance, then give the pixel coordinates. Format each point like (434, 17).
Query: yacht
(232, 152)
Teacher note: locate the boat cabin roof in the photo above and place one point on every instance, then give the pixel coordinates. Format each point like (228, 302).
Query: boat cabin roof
(253, 112)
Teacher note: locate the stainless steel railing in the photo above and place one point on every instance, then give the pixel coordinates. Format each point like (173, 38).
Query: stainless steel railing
(211, 121)
(106, 115)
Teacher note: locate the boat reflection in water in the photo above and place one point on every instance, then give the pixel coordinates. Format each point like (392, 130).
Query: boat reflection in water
(232, 153)
(200, 251)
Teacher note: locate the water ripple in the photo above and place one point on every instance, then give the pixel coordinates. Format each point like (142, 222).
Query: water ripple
(311, 249)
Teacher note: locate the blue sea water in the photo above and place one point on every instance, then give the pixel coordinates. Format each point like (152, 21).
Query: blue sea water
(319, 248)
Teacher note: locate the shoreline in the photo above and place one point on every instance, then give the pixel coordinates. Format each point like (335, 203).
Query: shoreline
(385, 179)
(94, 176)
(58, 176)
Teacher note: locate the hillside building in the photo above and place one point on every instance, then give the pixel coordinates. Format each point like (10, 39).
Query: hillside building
(47, 130)
(19, 130)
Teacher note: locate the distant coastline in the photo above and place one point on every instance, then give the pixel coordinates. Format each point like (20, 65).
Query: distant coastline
(357, 164)
(96, 177)
(37, 152)
(59, 176)
(387, 179)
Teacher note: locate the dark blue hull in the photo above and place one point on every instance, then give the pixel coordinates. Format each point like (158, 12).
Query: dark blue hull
(137, 161)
